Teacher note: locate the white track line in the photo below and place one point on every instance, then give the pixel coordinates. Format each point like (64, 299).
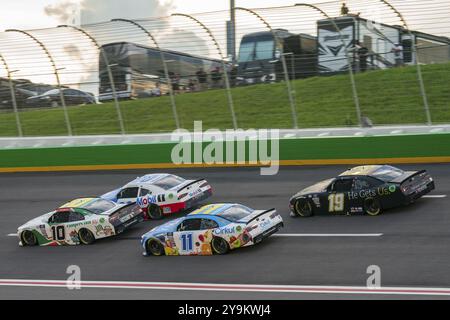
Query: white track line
(228, 287)
(327, 235)
(12, 235)
(435, 196)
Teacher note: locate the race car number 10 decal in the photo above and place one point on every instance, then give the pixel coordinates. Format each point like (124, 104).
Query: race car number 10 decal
(336, 202)
(186, 242)
(58, 233)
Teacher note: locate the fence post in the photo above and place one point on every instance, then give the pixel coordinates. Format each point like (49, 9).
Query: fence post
(349, 62)
(110, 74)
(416, 62)
(13, 97)
(164, 63)
(225, 72)
(284, 65)
(56, 73)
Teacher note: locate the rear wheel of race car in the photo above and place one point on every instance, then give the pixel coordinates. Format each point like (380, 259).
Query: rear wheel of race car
(372, 207)
(154, 247)
(86, 236)
(303, 208)
(155, 213)
(220, 246)
(28, 238)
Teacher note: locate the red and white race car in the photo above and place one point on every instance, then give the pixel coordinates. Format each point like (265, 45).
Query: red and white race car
(163, 194)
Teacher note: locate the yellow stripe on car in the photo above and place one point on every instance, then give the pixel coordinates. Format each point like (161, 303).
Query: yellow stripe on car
(207, 209)
(77, 203)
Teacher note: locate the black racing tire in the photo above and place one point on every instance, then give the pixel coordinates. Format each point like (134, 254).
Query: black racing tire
(28, 238)
(372, 207)
(220, 246)
(154, 247)
(155, 212)
(86, 236)
(303, 208)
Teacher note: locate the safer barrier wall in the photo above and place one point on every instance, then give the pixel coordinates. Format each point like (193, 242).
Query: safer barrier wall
(428, 148)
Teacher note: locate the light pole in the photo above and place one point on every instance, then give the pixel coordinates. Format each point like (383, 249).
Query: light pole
(233, 31)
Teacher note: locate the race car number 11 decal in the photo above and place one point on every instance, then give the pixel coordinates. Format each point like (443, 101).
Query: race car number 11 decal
(336, 201)
(186, 242)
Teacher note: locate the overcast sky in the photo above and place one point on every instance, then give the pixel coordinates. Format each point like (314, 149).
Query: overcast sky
(31, 14)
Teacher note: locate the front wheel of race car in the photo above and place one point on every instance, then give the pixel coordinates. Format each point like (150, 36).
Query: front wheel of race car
(303, 208)
(220, 246)
(154, 247)
(155, 213)
(28, 238)
(86, 237)
(372, 207)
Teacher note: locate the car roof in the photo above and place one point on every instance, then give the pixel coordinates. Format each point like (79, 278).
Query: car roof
(361, 171)
(212, 209)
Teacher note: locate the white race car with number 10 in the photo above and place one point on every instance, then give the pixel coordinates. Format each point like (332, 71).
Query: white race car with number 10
(81, 221)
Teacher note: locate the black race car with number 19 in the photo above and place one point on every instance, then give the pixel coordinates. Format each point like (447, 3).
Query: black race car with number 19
(362, 190)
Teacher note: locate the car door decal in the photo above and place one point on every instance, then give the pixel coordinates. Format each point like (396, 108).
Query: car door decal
(187, 242)
(336, 202)
(58, 233)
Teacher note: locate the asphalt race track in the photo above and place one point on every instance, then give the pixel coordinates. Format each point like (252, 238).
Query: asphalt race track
(411, 245)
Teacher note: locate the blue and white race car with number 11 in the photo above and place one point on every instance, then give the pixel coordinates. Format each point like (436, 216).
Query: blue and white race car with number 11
(212, 229)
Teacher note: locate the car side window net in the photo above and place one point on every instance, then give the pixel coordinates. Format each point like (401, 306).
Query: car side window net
(128, 193)
(75, 216)
(190, 225)
(60, 217)
(144, 192)
(208, 224)
(361, 184)
(343, 185)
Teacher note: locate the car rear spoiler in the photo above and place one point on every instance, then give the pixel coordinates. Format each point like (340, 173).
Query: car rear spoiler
(407, 176)
(259, 215)
(189, 184)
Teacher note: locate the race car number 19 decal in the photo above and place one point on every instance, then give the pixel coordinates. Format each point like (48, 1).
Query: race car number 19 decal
(59, 233)
(336, 201)
(186, 242)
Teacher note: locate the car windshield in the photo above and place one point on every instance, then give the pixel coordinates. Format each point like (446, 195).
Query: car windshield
(169, 182)
(387, 173)
(235, 213)
(99, 206)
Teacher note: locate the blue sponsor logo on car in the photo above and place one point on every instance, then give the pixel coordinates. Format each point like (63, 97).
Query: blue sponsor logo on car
(226, 230)
(144, 201)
